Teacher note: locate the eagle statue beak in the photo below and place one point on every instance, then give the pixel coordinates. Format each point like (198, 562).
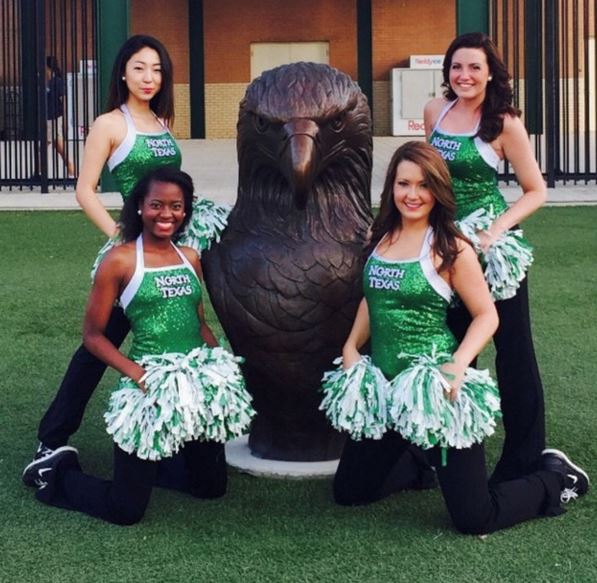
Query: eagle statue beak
(298, 157)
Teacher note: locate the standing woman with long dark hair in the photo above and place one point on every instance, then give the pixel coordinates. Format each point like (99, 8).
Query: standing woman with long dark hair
(475, 127)
(132, 138)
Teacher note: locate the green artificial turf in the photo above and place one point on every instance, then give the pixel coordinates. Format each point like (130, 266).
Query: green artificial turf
(275, 530)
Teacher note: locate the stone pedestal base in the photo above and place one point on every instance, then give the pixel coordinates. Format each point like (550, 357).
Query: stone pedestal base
(239, 456)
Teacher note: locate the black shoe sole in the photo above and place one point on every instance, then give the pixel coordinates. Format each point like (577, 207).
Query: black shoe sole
(28, 475)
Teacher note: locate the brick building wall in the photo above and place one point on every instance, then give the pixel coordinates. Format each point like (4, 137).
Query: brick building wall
(231, 27)
(400, 28)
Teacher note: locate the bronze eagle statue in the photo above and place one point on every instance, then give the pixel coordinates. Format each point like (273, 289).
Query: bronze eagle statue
(285, 278)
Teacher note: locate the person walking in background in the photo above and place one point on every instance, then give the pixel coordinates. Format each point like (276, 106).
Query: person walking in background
(55, 111)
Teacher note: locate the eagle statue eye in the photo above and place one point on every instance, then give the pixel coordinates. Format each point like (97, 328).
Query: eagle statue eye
(337, 123)
(261, 124)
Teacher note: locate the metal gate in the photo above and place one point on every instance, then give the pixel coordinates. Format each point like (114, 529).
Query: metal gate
(550, 50)
(48, 90)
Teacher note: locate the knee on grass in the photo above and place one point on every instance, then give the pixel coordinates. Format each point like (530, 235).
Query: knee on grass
(210, 490)
(471, 525)
(349, 496)
(128, 515)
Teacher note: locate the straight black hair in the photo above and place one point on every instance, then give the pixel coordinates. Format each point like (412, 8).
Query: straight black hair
(162, 104)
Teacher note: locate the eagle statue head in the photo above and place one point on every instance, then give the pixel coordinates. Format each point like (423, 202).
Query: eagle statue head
(305, 154)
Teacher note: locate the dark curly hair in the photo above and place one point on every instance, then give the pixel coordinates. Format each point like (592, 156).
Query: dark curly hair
(162, 104)
(131, 223)
(442, 214)
(498, 96)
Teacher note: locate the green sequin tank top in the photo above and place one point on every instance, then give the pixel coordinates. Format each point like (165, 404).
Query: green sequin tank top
(473, 166)
(161, 305)
(407, 302)
(140, 153)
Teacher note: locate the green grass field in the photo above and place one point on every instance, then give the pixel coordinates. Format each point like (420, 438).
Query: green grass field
(274, 530)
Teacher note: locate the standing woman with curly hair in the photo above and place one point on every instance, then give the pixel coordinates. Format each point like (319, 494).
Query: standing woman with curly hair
(475, 127)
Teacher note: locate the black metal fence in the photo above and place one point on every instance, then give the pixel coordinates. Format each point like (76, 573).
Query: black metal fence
(48, 90)
(550, 49)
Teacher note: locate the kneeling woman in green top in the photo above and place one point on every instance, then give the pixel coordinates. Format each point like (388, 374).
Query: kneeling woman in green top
(417, 386)
(179, 391)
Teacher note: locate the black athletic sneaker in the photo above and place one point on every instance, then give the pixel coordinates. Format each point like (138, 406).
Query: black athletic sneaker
(43, 457)
(576, 480)
(38, 473)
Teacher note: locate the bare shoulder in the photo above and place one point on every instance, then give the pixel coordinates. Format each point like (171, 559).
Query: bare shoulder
(189, 253)
(513, 126)
(111, 119)
(193, 257)
(111, 125)
(513, 134)
(465, 256)
(465, 251)
(122, 257)
(433, 107)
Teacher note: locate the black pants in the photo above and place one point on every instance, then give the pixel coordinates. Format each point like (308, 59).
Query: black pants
(475, 508)
(84, 373)
(519, 383)
(124, 499)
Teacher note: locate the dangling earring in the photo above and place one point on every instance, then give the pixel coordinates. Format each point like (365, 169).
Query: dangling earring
(184, 214)
(489, 79)
(123, 78)
(139, 212)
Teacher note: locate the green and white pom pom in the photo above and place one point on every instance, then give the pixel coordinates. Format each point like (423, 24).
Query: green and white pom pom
(227, 409)
(420, 410)
(112, 242)
(506, 261)
(506, 264)
(479, 220)
(148, 424)
(200, 395)
(206, 225)
(355, 399)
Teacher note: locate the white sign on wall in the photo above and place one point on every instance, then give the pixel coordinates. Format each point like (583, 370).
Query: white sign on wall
(426, 61)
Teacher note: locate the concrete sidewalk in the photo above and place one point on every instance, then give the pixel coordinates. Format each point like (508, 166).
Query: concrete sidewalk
(213, 166)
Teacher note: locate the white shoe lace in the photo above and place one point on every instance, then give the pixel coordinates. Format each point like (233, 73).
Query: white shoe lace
(569, 494)
(43, 451)
(40, 484)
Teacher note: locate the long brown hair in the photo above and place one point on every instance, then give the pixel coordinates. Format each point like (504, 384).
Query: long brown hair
(442, 214)
(498, 95)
